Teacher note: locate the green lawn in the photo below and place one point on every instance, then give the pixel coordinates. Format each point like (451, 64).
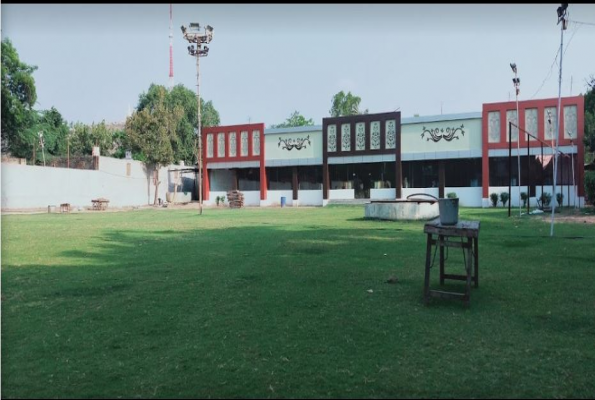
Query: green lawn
(259, 303)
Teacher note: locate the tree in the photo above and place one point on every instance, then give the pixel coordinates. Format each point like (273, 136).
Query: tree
(18, 97)
(86, 136)
(153, 132)
(295, 119)
(345, 104)
(185, 148)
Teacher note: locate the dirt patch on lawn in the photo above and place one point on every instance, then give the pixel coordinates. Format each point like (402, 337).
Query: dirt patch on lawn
(582, 216)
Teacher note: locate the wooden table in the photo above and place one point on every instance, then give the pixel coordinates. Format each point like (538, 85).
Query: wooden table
(100, 204)
(468, 231)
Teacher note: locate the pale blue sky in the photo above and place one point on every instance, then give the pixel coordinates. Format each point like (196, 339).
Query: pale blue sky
(266, 61)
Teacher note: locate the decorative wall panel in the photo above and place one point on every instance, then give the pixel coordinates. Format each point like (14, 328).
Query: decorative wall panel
(210, 145)
(570, 122)
(360, 136)
(244, 143)
(232, 144)
(550, 122)
(255, 143)
(331, 138)
(494, 126)
(221, 145)
(375, 135)
(346, 137)
(531, 122)
(391, 134)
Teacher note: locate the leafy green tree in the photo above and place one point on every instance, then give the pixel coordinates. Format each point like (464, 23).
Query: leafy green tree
(345, 104)
(84, 137)
(295, 119)
(185, 148)
(153, 132)
(18, 97)
(121, 145)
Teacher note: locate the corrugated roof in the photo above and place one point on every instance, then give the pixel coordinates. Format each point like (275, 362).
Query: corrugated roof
(438, 118)
(296, 129)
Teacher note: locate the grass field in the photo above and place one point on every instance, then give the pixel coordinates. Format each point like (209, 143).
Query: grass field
(259, 303)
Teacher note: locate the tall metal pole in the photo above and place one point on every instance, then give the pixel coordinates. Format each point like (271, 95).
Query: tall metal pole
(199, 134)
(573, 178)
(559, 114)
(195, 37)
(542, 173)
(528, 176)
(509, 164)
(518, 137)
(41, 142)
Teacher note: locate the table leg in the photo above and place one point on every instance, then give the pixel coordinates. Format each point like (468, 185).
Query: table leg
(476, 260)
(469, 270)
(441, 243)
(427, 276)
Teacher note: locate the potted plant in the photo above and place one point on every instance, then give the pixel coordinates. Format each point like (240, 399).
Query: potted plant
(222, 200)
(546, 199)
(218, 199)
(504, 198)
(559, 199)
(452, 195)
(524, 197)
(494, 198)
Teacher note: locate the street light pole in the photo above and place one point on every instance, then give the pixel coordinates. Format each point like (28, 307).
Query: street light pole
(68, 147)
(194, 36)
(561, 18)
(40, 134)
(516, 81)
(199, 158)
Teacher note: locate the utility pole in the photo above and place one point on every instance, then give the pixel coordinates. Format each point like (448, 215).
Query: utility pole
(42, 144)
(517, 82)
(68, 147)
(561, 18)
(193, 35)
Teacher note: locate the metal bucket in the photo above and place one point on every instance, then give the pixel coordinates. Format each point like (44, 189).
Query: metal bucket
(449, 211)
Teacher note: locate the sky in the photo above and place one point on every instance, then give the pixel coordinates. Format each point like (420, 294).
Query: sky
(266, 61)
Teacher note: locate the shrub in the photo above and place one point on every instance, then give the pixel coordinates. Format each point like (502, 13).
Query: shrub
(452, 195)
(504, 198)
(494, 198)
(590, 186)
(559, 199)
(223, 200)
(524, 197)
(218, 200)
(546, 199)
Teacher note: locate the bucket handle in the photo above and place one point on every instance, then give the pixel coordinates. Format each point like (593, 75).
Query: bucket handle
(422, 194)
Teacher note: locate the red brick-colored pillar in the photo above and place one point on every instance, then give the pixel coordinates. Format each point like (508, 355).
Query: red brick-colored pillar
(205, 183)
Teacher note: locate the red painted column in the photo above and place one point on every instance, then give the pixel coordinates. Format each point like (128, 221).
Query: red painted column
(263, 172)
(205, 183)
